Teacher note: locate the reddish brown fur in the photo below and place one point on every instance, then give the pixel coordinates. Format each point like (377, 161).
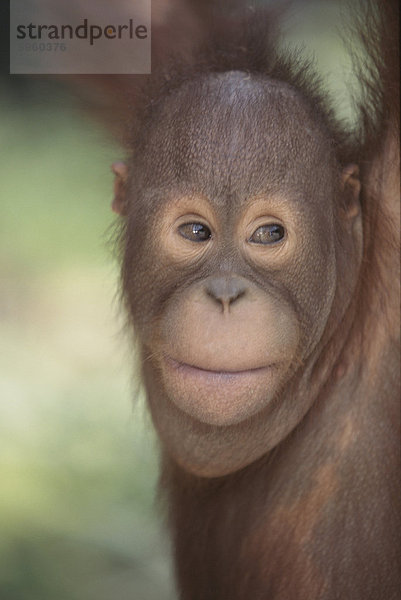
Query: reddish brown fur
(318, 516)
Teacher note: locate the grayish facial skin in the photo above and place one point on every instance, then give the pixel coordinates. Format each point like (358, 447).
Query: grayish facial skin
(230, 326)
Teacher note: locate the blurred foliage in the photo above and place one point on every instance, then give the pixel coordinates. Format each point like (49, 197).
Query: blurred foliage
(77, 465)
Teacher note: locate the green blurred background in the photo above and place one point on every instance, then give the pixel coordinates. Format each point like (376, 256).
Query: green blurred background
(78, 460)
(77, 463)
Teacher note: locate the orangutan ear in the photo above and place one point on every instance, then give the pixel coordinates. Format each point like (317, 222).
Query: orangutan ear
(351, 186)
(119, 203)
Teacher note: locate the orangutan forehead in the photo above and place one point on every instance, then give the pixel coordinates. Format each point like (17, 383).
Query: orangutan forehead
(236, 133)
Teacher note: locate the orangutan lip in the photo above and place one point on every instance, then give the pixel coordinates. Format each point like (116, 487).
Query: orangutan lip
(209, 372)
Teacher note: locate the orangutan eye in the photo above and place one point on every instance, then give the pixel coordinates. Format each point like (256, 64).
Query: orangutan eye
(195, 232)
(268, 234)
